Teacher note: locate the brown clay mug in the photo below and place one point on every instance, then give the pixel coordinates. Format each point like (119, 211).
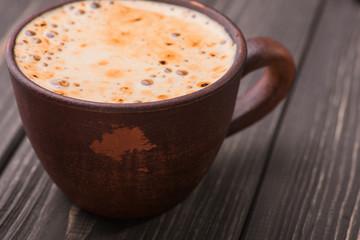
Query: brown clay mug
(140, 159)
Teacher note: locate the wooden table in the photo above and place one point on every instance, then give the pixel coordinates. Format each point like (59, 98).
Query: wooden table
(293, 175)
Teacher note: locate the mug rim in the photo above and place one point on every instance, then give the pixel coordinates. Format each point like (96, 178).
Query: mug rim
(233, 72)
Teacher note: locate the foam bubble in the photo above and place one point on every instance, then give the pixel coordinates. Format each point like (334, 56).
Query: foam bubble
(147, 82)
(182, 72)
(123, 51)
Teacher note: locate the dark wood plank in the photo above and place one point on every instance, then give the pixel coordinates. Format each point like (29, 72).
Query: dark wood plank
(27, 199)
(217, 209)
(312, 187)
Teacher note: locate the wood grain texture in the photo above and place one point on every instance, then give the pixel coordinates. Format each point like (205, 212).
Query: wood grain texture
(312, 187)
(217, 209)
(30, 203)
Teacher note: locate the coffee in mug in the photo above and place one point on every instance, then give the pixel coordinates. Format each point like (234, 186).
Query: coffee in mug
(136, 160)
(123, 51)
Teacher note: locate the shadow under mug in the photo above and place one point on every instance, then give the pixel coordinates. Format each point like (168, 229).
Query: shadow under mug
(140, 159)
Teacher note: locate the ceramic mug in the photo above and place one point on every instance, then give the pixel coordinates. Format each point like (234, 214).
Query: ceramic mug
(140, 159)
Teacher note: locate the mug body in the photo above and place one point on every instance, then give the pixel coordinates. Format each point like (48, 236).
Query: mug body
(129, 160)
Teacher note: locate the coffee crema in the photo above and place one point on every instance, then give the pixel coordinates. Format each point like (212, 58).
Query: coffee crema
(123, 51)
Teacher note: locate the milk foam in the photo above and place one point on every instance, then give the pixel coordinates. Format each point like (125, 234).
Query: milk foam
(123, 51)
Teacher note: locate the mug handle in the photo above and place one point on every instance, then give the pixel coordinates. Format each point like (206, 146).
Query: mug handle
(270, 89)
